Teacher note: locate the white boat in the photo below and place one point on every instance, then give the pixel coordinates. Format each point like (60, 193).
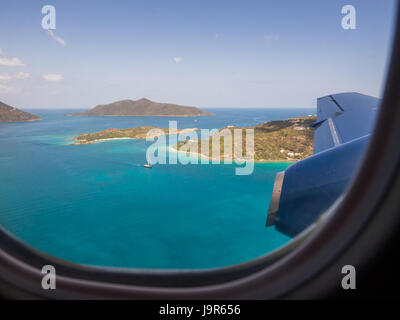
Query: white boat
(147, 166)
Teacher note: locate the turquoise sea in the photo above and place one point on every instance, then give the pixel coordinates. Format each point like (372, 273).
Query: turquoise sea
(97, 205)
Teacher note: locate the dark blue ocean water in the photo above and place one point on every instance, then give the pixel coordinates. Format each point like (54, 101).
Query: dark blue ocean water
(96, 204)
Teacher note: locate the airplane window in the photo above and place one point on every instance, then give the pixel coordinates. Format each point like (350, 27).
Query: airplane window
(182, 134)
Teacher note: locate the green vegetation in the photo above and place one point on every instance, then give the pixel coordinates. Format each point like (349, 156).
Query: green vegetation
(133, 133)
(285, 140)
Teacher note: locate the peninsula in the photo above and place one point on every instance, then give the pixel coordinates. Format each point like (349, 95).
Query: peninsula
(11, 114)
(130, 133)
(143, 107)
(282, 140)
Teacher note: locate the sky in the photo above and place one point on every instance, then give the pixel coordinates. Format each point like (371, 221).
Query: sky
(236, 53)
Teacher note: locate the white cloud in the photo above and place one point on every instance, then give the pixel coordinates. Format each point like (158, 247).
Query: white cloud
(57, 38)
(19, 76)
(13, 62)
(5, 77)
(5, 89)
(52, 77)
(271, 37)
(1, 51)
(22, 75)
(178, 59)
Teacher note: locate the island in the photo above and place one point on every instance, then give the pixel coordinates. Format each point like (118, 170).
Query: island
(283, 140)
(11, 114)
(143, 107)
(129, 133)
(287, 140)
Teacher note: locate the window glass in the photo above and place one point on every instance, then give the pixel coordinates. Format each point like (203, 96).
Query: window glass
(169, 134)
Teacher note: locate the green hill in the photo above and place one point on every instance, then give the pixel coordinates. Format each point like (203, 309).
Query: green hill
(11, 114)
(143, 107)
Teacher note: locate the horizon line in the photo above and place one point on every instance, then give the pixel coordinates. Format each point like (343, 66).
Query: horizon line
(309, 107)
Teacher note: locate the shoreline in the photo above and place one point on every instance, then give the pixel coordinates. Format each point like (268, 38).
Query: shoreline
(200, 155)
(140, 137)
(21, 121)
(82, 142)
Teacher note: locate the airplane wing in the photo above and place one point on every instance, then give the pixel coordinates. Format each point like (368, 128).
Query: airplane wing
(342, 118)
(310, 186)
